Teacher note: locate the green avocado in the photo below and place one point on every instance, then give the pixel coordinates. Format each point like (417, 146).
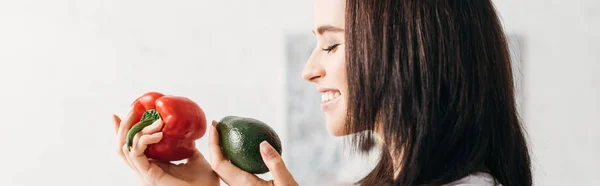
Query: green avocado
(240, 139)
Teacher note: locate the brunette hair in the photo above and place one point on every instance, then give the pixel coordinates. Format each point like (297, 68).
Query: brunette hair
(436, 76)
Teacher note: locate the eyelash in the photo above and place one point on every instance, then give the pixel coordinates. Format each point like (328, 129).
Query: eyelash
(330, 48)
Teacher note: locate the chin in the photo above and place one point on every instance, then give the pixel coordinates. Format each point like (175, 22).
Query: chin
(335, 128)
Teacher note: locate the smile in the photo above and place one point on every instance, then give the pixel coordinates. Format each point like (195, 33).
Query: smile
(330, 95)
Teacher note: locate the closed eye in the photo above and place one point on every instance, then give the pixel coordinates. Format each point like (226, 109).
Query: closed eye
(331, 48)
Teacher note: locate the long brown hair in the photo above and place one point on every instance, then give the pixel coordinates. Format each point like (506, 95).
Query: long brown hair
(435, 75)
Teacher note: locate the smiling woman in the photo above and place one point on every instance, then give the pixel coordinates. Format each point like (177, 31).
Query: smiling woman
(433, 79)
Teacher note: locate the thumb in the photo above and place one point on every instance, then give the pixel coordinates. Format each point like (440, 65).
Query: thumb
(117, 122)
(274, 162)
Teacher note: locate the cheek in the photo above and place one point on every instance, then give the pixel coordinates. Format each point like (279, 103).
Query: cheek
(336, 70)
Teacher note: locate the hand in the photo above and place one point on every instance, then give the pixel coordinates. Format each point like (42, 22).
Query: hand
(196, 171)
(234, 176)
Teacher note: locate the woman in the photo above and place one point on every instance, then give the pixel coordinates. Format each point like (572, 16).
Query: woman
(431, 78)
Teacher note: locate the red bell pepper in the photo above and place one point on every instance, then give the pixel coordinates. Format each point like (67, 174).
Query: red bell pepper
(183, 123)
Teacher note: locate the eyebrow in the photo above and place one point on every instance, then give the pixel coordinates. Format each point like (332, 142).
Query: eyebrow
(328, 28)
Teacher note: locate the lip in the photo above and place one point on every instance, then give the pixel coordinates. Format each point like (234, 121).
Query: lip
(322, 89)
(326, 106)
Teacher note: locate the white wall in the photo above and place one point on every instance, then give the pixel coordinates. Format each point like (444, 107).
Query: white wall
(66, 66)
(562, 86)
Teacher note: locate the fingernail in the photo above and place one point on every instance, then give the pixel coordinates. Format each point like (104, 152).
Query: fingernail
(157, 134)
(267, 151)
(214, 123)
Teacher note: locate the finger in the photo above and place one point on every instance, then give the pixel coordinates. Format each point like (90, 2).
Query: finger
(281, 175)
(150, 129)
(124, 153)
(129, 163)
(213, 144)
(228, 172)
(154, 127)
(117, 122)
(140, 161)
(124, 126)
(135, 140)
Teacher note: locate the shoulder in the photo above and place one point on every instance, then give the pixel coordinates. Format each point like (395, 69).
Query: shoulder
(475, 179)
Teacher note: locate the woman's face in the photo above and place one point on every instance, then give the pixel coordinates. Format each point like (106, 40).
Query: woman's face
(326, 67)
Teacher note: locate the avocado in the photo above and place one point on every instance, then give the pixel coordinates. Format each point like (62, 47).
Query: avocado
(240, 139)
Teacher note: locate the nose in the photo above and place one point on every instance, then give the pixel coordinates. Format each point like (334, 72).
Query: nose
(313, 70)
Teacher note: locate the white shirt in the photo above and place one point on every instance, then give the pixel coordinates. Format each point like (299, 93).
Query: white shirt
(475, 179)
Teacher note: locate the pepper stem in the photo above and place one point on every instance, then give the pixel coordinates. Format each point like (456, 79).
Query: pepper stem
(149, 117)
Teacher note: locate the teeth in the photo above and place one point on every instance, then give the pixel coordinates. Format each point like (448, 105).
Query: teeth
(329, 95)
